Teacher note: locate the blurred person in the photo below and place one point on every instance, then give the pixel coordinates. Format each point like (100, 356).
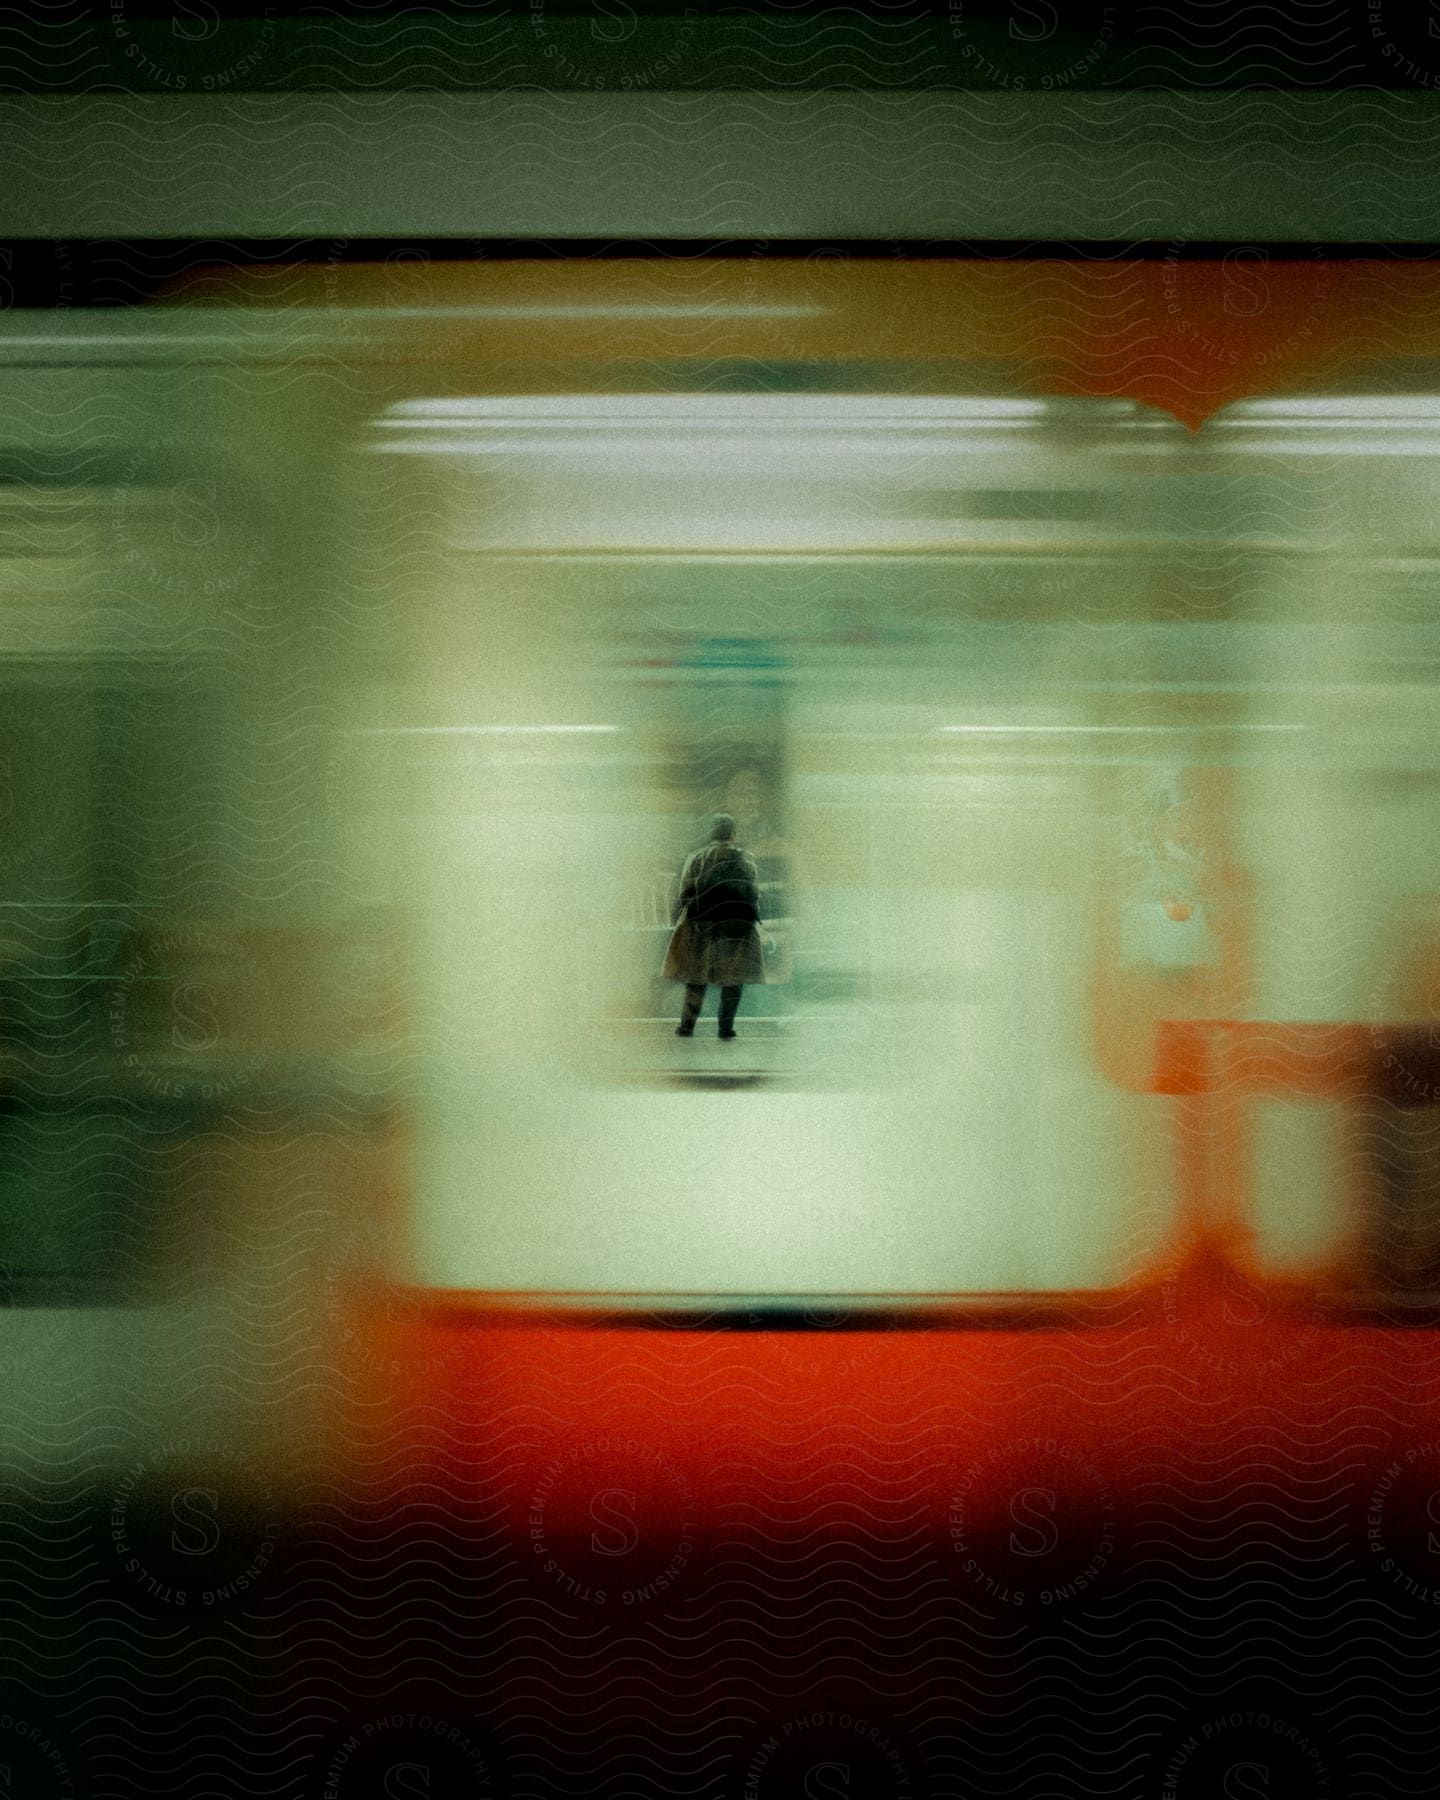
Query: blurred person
(752, 798)
(716, 937)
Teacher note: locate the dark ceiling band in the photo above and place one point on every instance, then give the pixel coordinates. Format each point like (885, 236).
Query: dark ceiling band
(108, 272)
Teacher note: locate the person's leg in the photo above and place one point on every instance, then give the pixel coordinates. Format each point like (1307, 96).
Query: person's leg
(729, 1004)
(690, 1012)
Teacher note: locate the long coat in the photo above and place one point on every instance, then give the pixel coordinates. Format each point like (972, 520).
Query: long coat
(716, 936)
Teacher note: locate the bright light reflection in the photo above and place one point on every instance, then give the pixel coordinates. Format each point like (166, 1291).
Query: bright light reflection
(471, 730)
(1165, 730)
(615, 409)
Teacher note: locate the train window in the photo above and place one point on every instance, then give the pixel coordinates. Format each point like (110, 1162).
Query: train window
(128, 1004)
(618, 616)
(86, 1120)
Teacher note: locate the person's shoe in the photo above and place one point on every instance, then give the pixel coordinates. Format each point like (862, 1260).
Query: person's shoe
(725, 1034)
(684, 1031)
